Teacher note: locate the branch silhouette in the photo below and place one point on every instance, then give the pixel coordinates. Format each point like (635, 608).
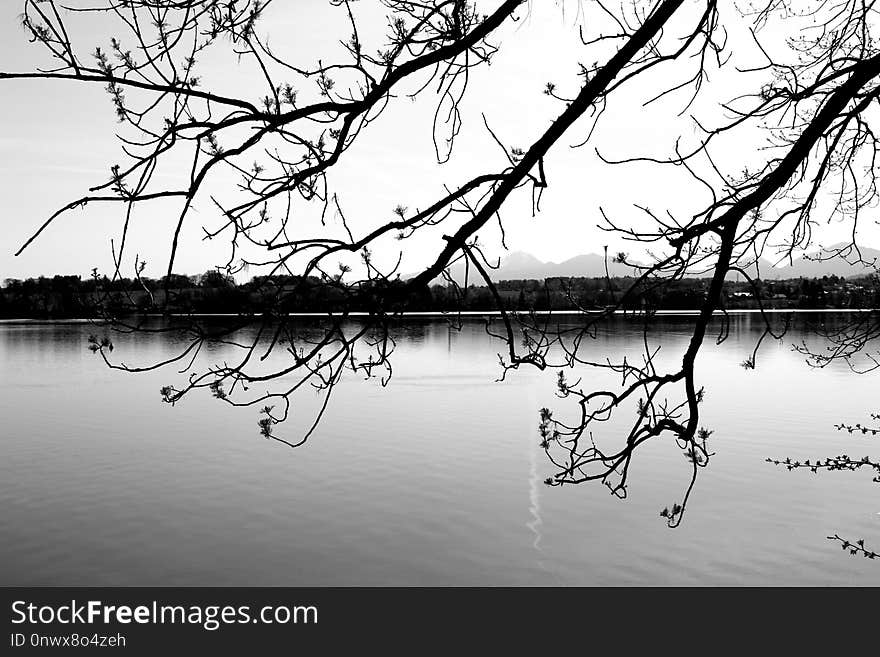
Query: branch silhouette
(813, 103)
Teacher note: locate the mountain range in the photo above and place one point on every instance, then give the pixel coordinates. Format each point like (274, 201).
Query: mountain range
(521, 265)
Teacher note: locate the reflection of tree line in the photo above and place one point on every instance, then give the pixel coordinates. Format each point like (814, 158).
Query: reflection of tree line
(213, 292)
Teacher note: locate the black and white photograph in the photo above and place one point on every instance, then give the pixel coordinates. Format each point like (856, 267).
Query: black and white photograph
(439, 294)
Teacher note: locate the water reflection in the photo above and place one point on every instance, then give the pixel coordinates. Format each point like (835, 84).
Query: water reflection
(534, 500)
(435, 479)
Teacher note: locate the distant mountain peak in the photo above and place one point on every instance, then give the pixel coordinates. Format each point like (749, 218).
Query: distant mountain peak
(837, 260)
(519, 265)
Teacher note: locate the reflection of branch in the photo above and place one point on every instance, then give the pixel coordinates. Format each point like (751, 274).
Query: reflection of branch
(855, 548)
(842, 462)
(533, 358)
(847, 343)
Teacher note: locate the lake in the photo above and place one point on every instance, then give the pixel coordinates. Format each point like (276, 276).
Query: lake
(435, 479)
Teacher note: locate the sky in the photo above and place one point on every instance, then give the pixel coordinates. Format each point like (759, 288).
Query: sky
(57, 138)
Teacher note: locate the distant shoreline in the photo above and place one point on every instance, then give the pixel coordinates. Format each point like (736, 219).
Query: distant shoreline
(466, 313)
(213, 295)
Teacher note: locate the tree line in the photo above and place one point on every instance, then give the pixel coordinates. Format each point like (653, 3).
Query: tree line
(59, 297)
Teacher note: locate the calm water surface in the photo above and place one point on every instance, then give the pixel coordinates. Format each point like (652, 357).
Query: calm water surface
(433, 480)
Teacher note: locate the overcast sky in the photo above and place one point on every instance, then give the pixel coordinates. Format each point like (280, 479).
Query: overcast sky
(57, 138)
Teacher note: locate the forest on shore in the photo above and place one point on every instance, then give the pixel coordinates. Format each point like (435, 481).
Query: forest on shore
(60, 297)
